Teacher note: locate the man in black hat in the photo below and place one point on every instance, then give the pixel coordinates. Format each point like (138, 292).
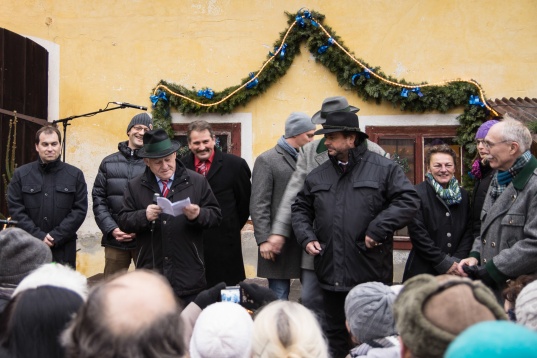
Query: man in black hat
(345, 216)
(171, 245)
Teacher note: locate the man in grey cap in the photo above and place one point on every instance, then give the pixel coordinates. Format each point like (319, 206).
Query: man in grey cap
(20, 254)
(115, 171)
(171, 244)
(279, 262)
(345, 216)
(310, 157)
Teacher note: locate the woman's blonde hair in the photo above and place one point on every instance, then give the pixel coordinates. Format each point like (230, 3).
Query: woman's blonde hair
(286, 329)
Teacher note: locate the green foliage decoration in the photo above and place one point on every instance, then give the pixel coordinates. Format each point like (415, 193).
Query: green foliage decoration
(353, 74)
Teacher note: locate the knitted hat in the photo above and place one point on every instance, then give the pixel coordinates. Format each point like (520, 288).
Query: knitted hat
(494, 339)
(298, 123)
(526, 306)
(20, 253)
(484, 129)
(368, 309)
(141, 118)
(223, 329)
(431, 311)
(56, 275)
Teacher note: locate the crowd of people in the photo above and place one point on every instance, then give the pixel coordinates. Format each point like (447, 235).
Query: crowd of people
(324, 211)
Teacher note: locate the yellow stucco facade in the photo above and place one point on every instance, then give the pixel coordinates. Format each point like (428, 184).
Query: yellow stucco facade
(119, 50)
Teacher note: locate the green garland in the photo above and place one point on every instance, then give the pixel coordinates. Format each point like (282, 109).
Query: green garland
(377, 86)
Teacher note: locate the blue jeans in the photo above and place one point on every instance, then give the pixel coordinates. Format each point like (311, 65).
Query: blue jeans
(280, 287)
(312, 294)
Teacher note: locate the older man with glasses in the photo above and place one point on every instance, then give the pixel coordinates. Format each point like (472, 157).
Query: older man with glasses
(507, 245)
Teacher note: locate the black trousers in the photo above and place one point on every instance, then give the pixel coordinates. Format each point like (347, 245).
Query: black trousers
(335, 329)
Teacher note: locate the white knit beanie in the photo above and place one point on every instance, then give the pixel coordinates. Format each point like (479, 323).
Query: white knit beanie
(526, 306)
(224, 330)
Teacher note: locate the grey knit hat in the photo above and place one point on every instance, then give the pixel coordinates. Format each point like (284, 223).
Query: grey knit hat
(298, 123)
(141, 118)
(430, 311)
(368, 309)
(526, 306)
(20, 253)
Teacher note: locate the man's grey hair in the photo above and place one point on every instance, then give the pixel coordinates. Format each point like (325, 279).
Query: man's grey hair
(516, 131)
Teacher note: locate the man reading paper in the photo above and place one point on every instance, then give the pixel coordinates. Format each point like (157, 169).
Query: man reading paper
(171, 245)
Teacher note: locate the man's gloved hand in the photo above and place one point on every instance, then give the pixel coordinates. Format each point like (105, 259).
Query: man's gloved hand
(256, 296)
(479, 273)
(210, 295)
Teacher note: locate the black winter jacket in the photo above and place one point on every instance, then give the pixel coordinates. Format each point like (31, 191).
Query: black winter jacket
(373, 197)
(176, 249)
(115, 171)
(440, 234)
(50, 199)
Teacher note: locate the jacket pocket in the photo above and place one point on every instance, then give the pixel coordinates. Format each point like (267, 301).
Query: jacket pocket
(513, 228)
(32, 197)
(65, 196)
(369, 192)
(320, 187)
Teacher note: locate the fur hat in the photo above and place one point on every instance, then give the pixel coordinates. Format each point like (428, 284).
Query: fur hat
(494, 339)
(484, 129)
(55, 275)
(333, 104)
(20, 254)
(431, 311)
(223, 329)
(368, 309)
(298, 123)
(526, 306)
(141, 118)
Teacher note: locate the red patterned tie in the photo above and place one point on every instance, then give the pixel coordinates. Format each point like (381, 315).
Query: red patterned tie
(202, 168)
(165, 189)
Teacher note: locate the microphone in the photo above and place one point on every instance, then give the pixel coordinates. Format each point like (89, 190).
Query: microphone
(155, 197)
(9, 222)
(124, 104)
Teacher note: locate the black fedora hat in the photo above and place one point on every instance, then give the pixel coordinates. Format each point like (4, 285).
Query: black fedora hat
(157, 144)
(341, 122)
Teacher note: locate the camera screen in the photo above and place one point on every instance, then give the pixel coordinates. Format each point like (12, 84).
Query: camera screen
(231, 294)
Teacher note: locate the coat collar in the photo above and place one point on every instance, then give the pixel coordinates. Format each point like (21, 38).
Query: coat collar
(286, 156)
(520, 181)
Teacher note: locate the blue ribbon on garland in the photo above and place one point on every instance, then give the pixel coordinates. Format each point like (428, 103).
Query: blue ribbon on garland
(365, 73)
(282, 51)
(160, 96)
(417, 91)
(404, 92)
(323, 48)
(206, 92)
(475, 100)
(300, 20)
(253, 83)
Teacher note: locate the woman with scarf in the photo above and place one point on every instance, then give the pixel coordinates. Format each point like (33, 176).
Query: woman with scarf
(441, 232)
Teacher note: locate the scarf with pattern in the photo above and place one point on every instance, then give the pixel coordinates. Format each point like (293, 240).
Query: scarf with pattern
(501, 180)
(451, 195)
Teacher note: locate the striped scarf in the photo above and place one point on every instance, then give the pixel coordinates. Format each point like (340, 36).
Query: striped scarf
(501, 180)
(451, 195)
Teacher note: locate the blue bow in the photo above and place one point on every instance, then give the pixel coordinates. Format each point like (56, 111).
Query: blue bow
(253, 83)
(476, 101)
(323, 48)
(300, 20)
(417, 91)
(404, 92)
(206, 92)
(365, 73)
(155, 98)
(282, 51)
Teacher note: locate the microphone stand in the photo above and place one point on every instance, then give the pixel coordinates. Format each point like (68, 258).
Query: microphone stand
(65, 122)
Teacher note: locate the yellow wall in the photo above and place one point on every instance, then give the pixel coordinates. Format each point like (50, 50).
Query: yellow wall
(118, 50)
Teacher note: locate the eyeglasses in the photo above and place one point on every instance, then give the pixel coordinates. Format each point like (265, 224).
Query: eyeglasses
(488, 144)
(140, 128)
